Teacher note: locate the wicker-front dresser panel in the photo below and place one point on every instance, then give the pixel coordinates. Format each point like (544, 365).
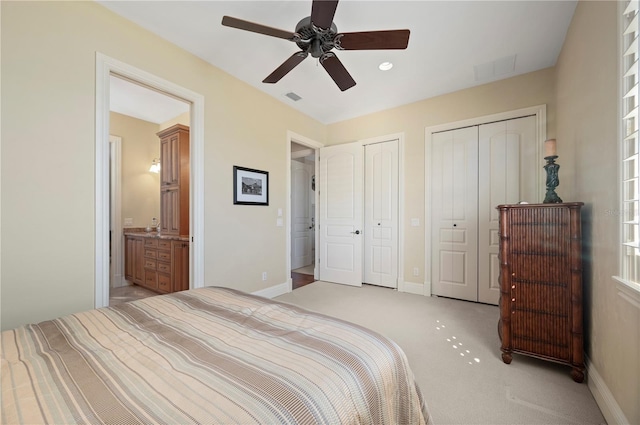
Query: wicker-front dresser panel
(541, 283)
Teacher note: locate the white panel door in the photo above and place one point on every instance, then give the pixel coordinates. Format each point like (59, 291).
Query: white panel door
(454, 212)
(341, 179)
(381, 214)
(301, 237)
(507, 170)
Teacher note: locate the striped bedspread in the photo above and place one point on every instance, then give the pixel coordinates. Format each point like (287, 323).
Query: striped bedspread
(211, 356)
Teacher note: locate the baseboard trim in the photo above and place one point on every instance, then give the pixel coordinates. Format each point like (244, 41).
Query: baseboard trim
(119, 281)
(274, 291)
(411, 287)
(603, 396)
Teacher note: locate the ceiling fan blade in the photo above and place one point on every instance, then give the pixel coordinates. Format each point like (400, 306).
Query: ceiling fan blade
(337, 71)
(373, 40)
(322, 12)
(228, 21)
(286, 66)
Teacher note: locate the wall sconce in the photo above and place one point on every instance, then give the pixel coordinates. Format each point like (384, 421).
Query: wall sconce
(155, 166)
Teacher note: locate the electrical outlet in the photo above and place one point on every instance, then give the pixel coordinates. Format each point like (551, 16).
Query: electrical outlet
(128, 221)
(264, 275)
(416, 271)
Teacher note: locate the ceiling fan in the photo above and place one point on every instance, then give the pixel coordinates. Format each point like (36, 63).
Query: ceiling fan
(317, 35)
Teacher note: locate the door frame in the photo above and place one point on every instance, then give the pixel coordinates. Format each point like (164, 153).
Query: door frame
(309, 193)
(115, 205)
(312, 144)
(540, 112)
(105, 66)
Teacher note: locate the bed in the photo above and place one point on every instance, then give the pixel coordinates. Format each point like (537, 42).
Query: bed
(211, 355)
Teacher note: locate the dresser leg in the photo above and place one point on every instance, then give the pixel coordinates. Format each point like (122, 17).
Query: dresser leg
(506, 357)
(577, 374)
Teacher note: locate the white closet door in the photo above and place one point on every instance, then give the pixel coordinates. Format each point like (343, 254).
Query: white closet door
(507, 170)
(454, 191)
(381, 214)
(300, 214)
(341, 180)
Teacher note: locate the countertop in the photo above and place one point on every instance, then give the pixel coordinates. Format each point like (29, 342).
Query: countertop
(141, 232)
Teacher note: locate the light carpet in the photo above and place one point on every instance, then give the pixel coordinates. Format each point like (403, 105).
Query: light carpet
(454, 351)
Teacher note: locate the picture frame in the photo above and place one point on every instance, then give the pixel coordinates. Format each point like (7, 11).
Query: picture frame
(250, 187)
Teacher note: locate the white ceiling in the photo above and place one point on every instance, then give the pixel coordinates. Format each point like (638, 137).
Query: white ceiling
(453, 45)
(136, 101)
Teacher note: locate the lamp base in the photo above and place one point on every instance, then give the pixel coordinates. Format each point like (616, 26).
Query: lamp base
(551, 197)
(552, 180)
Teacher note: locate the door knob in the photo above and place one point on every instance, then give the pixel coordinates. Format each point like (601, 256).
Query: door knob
(357, 232)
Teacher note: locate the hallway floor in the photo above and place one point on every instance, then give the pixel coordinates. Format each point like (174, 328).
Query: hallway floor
(128, 293)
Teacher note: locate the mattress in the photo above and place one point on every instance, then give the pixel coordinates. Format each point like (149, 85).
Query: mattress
(211, 355)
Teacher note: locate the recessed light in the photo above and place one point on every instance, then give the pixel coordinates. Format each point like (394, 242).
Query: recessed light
(385, 66)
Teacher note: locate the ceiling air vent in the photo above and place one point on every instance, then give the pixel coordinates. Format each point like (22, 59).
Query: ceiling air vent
(291, 95)
(498, 68)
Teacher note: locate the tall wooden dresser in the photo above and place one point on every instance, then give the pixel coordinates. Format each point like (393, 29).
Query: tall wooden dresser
(541, 283)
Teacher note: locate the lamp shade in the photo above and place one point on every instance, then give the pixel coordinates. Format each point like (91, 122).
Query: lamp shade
(155, 166)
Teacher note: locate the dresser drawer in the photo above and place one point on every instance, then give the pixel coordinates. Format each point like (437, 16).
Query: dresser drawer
(150, 253)
(550, 269)
(149, 264)
(164, 282)
(150, 279)
(540, 297)
(151, 243)
(543, 334)
(164, 244)
(164, 255)
(164, 267)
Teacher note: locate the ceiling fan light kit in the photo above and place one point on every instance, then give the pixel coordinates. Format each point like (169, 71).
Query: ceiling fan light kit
(317, 35)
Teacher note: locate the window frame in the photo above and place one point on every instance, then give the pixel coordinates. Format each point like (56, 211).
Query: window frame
(629, 164)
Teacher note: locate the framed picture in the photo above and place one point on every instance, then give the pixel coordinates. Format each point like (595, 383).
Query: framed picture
(250, 187)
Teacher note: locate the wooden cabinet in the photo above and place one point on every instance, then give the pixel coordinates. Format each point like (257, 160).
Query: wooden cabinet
(174, 180)
(170, 211)
(161, 265)
(134, 260)
(541, 283)
(157, 264)
(180, 257)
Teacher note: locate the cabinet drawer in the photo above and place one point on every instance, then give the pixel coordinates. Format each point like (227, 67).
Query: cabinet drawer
(164, 282)
(164, 244)
(149, 264)
(540, 297)
(164, 267)
(152, 243)
(150, 279)
(164, 255)
(549, 269)
(150, 253)
(543, 334)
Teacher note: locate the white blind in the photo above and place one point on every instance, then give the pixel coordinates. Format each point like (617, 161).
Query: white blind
(630, 150)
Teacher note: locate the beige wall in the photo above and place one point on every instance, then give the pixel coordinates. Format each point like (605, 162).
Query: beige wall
(527, 90)
(48, 141)
(184, 119)
(140, 197)
(587, 79)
